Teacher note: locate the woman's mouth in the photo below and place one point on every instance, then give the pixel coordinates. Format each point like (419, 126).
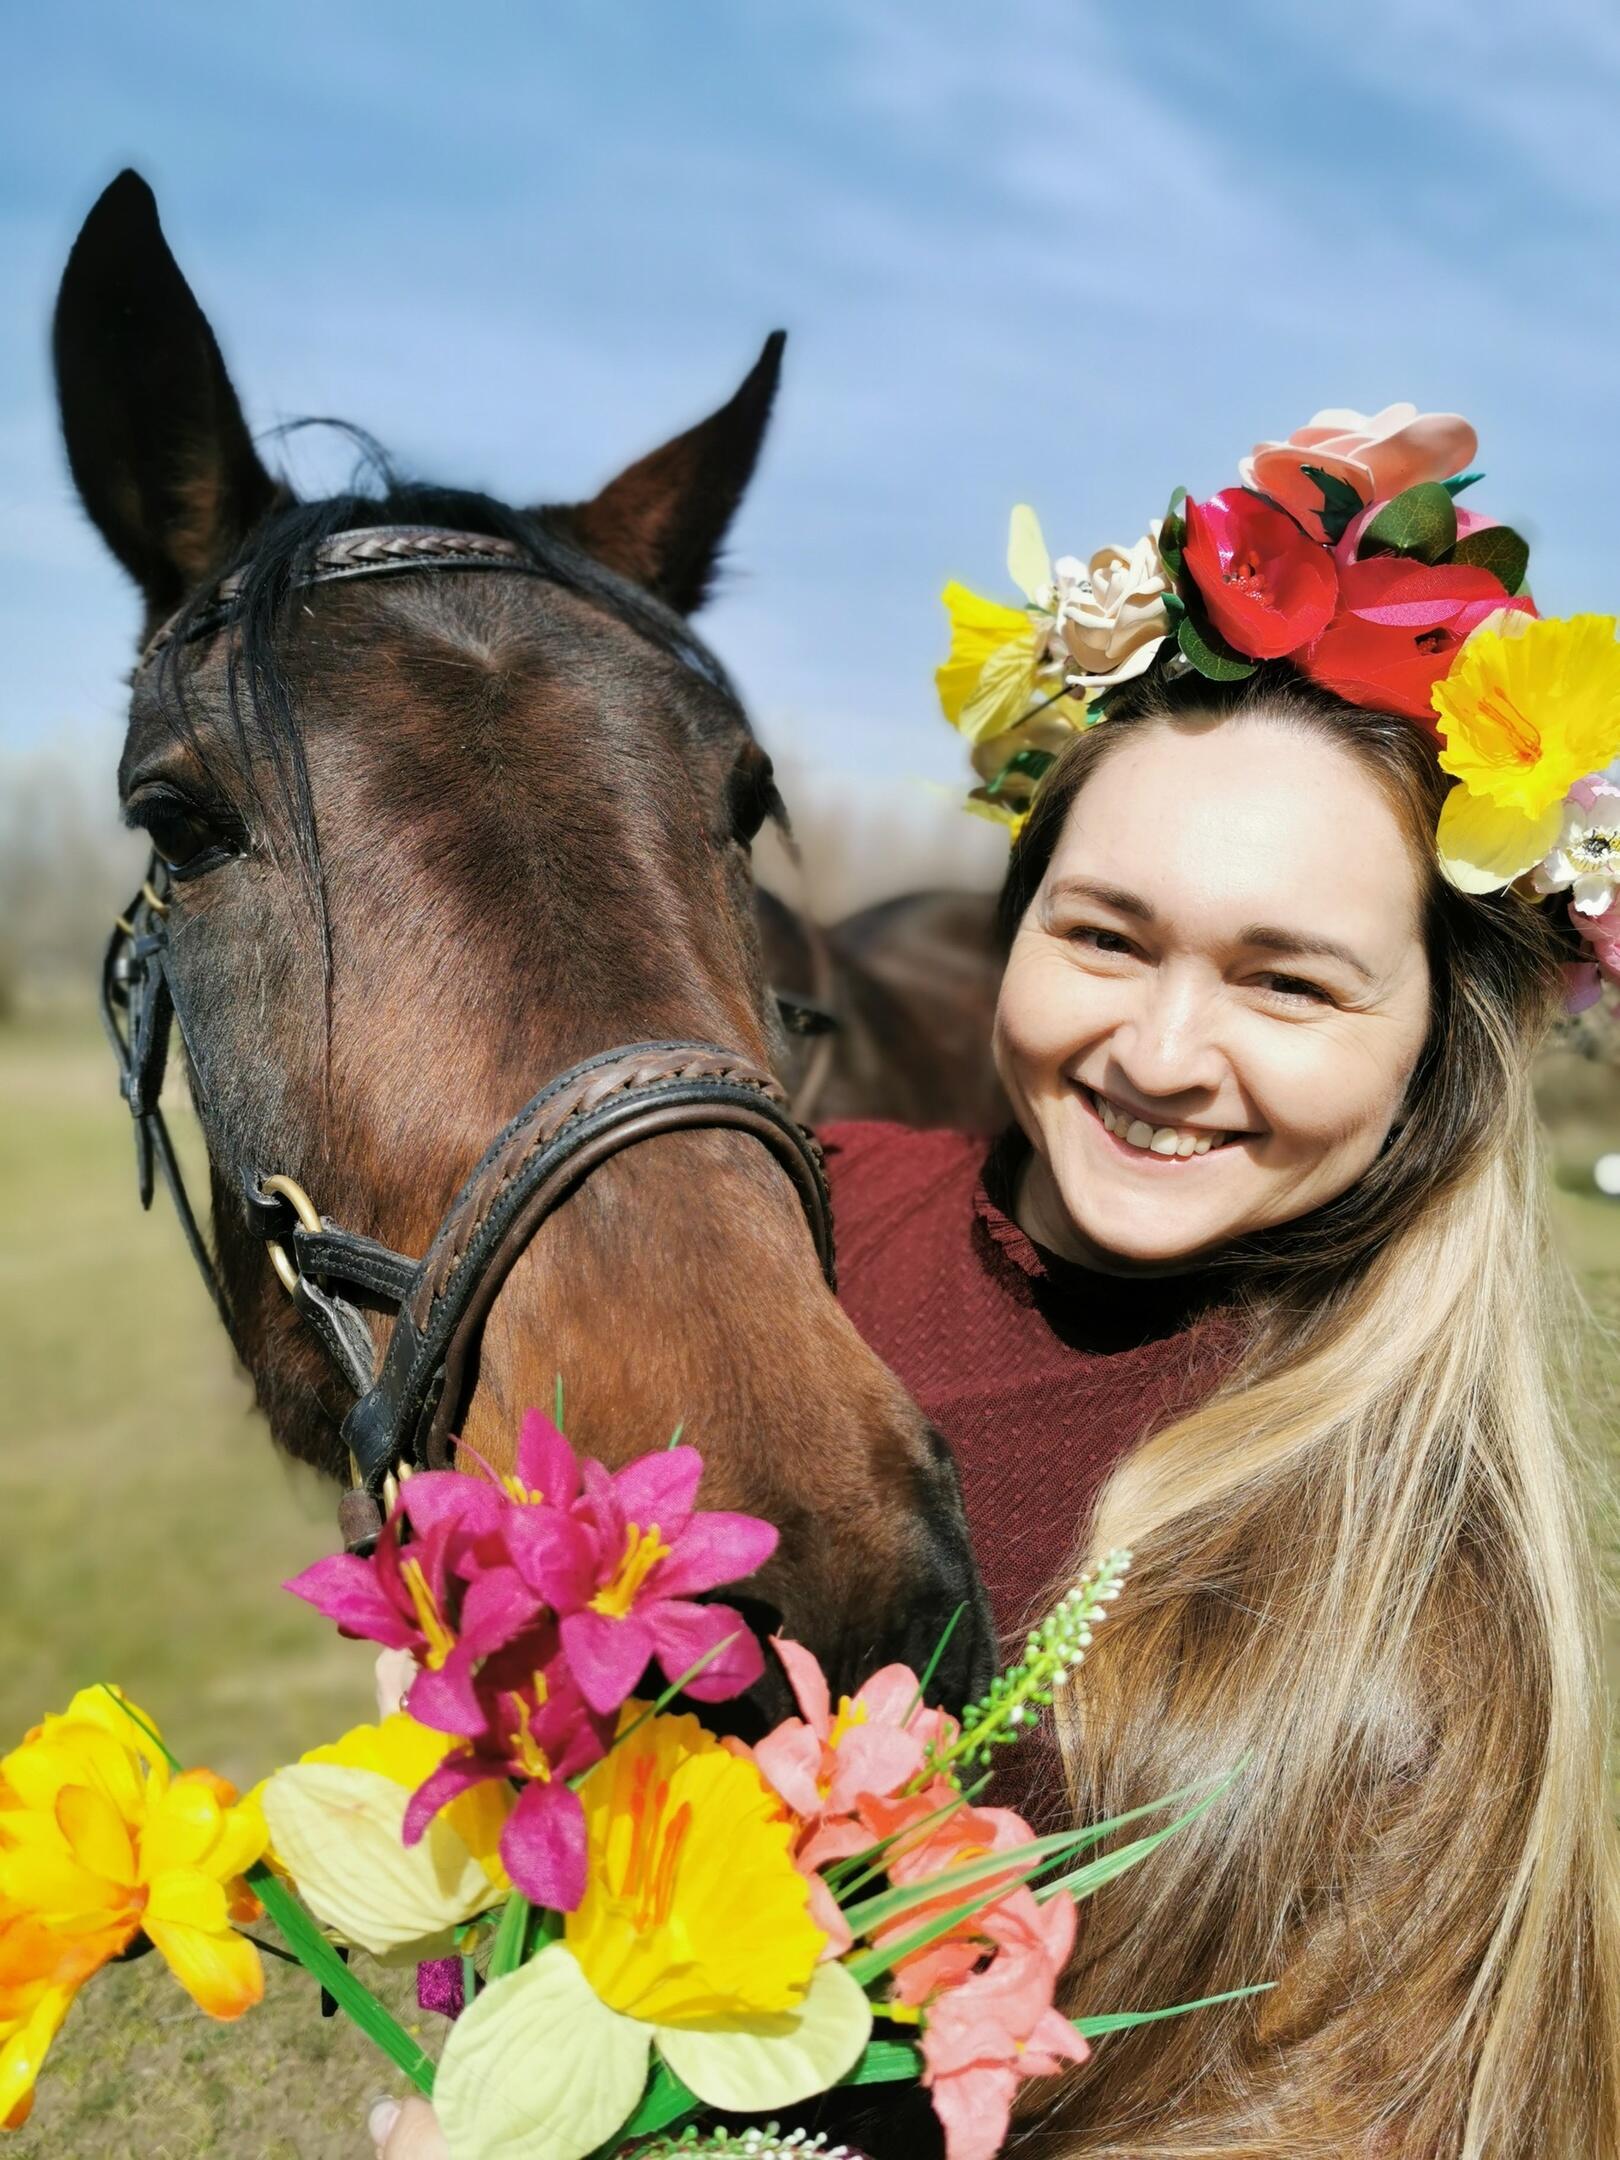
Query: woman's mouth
(1178, 1142)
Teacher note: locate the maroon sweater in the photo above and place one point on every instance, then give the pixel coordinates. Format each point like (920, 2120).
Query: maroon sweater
(1040, 1373)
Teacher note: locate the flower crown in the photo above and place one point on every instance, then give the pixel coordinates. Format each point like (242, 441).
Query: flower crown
(1346, 553)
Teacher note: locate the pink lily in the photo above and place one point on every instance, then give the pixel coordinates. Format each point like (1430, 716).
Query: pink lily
(998, 2027)
(929, 1842)
(624, 1567)
(538, 1729)
(824, 1766)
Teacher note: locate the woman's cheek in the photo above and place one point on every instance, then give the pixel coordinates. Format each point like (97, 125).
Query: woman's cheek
(1322, 1088)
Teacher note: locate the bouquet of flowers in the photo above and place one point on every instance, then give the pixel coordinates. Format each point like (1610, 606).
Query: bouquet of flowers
(633, 1921)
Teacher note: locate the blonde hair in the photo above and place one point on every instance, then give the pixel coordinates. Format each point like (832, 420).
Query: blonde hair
(1362, 1569)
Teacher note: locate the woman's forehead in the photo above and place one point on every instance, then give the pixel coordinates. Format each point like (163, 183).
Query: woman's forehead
(1245, 821)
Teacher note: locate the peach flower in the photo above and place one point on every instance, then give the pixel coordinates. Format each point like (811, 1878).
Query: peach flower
(1379, 454)
(1111, 611)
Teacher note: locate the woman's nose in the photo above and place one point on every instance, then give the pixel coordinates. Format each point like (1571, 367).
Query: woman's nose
(1168, 1043)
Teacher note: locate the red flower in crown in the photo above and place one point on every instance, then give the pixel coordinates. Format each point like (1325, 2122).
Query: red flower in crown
(1398, 628)
(1267, 586)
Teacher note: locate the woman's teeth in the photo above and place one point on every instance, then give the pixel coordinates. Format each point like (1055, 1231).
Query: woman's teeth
(1154, 1139)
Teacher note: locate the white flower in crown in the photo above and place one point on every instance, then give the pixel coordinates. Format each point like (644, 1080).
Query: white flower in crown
(1111, 611)
(1585, 859)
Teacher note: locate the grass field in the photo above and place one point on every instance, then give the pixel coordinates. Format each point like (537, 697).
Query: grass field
(144, 1527)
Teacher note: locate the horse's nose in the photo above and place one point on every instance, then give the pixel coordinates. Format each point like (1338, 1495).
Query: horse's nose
(947, 1601)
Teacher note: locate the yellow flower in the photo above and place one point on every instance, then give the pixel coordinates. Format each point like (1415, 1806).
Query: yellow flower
(1528, 708)
(336, 1818)
(99, 1842)
(694, 1936)
(1004, 661)
(694, 1912)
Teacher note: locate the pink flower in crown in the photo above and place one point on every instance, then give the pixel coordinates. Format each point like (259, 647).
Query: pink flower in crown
(623, 1567)
(537, 1728)
(1378, 454)
(824, 1765)
(981, 2039)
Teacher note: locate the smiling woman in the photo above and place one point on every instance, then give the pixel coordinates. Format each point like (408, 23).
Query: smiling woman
(1259, 1285)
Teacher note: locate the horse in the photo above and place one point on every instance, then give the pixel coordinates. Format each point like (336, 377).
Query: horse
(890, 1008)
(423, 841)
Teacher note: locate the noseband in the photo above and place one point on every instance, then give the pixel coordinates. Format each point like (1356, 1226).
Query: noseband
(406, 1406)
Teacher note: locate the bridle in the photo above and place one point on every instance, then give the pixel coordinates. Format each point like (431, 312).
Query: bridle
(408, 1402)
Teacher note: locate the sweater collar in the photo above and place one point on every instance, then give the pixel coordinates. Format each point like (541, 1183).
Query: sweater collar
(1096, 1310)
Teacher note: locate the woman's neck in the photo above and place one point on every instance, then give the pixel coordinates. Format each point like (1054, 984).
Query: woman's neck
(1039, 1212)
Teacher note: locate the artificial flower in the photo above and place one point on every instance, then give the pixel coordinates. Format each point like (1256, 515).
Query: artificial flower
(636, 1557)
(537, 1728)
(1528, 709)
(1399, 627)
(1111, 611)
(1004, 663)
(693, 1938)
(408, 1594)
(336, 1820)
(41, 1970)
(932, 1832)
(983, 2038)
(1267, 587)
(1377, 454)
(1585, 859)
(1602, 934)
(825, 1763)
(100, 1842)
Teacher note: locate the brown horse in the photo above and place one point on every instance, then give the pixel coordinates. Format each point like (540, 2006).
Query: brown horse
(433, 839)
(909, 988)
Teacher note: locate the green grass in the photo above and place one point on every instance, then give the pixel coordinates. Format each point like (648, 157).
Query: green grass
(145, 1524)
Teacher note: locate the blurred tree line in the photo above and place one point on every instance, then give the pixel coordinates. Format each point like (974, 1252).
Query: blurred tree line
(66, 867)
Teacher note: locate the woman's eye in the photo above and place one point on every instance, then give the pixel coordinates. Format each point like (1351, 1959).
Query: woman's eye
(1294, 989)
(187, 839)
(1102, 941)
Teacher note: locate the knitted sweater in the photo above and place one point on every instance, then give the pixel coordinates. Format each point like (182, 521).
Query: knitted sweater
(1040, 1373)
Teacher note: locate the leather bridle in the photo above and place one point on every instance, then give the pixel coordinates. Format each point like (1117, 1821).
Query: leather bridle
(408, 1402)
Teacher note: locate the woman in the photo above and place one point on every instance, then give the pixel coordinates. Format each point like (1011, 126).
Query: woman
(1260, 1286)
(1359, 1562)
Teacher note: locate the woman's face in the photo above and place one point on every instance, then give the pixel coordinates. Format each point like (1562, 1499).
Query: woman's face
(1216, 999)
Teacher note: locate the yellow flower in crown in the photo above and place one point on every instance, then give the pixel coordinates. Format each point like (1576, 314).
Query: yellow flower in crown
(693, 1937)
(100, 1842)
(1006, 662)
(1529, 708)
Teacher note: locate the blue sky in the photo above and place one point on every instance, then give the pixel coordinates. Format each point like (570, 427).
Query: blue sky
(1066, 252)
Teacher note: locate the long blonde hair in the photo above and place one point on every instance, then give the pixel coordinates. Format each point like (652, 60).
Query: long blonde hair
(1362, 1568)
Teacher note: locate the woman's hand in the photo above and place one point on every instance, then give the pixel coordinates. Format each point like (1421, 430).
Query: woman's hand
(406, 2131)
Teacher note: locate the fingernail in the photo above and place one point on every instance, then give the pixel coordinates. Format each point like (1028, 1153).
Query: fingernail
(380, 2122)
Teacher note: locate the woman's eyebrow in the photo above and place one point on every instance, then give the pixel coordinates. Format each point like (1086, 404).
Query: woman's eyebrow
(1117, 897)
(1293, 942)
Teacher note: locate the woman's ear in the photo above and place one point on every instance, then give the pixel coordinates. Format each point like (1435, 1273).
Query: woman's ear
(662, 520)
(155, 436)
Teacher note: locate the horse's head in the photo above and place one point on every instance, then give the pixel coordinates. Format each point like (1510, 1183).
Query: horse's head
(433, 839)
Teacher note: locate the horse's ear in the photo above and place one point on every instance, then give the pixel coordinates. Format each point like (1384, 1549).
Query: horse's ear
(662, 520)
(156, 439)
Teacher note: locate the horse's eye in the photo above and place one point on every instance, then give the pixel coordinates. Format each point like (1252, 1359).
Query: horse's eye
(754, 797)
(187, 838)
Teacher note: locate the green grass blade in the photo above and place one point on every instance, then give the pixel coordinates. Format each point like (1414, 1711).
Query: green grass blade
(1092, 2028)
(351, 1994)
(511, 1936)
(932, 1666)
(881, 2062)
(1002, 1868)
(1082, 1882)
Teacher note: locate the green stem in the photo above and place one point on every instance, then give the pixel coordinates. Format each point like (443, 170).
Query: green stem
(351, 1994)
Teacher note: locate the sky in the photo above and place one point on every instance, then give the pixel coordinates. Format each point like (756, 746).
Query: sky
(1066, 253)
